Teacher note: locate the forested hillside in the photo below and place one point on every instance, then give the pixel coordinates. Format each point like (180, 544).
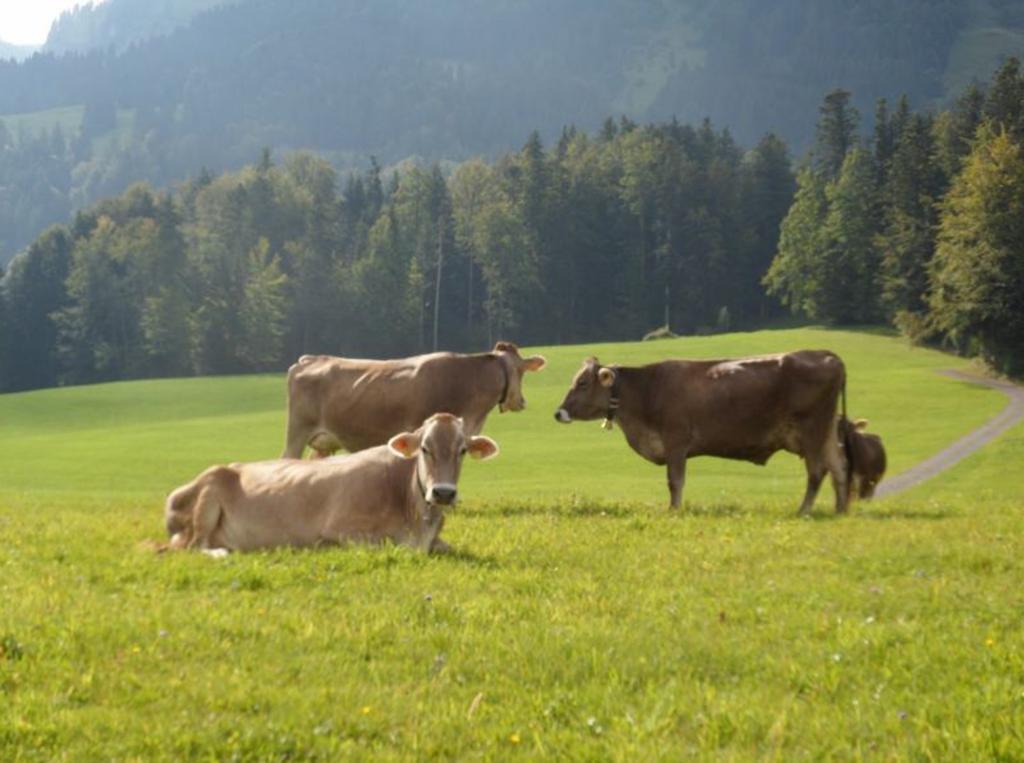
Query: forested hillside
(596, 237)
(919, 223)
(117, 24)
(447, 79)
(17, 52)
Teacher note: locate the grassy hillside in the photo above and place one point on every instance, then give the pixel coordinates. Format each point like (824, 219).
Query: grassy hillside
(579, 619)
(37, 122)
(142, 438)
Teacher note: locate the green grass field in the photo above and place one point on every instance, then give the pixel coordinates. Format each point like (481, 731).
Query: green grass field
(35, 122)
(69, 118)
(579, 619)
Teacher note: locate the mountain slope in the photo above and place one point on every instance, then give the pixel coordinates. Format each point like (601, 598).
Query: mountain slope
(119, 23)
(210, 82)
(16, 52)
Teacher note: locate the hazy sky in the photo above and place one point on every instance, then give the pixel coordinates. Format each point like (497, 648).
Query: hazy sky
(27, 22)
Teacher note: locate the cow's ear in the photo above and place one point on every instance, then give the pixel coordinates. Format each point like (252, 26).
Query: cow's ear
(860, 424)
(534, 363)
(405, 445)
(606, 376)
(482, 447)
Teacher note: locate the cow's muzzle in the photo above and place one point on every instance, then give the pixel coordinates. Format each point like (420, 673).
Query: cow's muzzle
(442, 494)
(562, 416)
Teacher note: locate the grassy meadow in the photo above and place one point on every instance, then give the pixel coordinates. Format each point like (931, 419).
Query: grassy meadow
(578, 618)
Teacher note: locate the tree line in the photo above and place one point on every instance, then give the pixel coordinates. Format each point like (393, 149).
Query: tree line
(600, 236)
(597, 237)
(920, 224)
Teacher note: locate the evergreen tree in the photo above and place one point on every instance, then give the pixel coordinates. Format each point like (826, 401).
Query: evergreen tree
(906, 241)
(884, 143)
(955, 129)
(32, 290)
(977, 296)
(769, 187)
(795, 275)
(263, 309)
(836, 132)
(1004, 103)
(850, 258)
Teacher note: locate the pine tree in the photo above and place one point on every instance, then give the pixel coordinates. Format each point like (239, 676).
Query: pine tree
(848, 281)
(32, 290)
(263, 309)
(768, 192)
(906, 241)
(884, 143)
(977, 295)
(836, 132)
(795, 273)
(955, 129)
(1004, 103)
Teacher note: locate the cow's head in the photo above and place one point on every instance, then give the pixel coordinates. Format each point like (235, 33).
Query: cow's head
(439, 446)
(515, 365)
(590, 394)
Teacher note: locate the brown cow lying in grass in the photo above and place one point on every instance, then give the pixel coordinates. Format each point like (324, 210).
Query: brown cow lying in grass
(393, 492)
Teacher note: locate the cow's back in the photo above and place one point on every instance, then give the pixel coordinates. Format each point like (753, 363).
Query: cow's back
(746, 408)
(356, 496)
(361, 403)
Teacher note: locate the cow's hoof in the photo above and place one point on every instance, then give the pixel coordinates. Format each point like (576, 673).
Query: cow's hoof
(440, 547)
(216, 553)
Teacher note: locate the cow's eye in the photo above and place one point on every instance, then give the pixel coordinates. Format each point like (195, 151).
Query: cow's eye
(425, 450)
(582, 382)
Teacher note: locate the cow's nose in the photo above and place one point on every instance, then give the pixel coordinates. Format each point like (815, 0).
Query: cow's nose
(562, 416)
(443, 493)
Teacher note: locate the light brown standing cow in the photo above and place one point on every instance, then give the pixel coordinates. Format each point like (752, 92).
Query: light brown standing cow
(746, 409)
(393, 492)
(355, 404)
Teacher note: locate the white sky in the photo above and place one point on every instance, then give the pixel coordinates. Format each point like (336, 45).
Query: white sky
(27, 22)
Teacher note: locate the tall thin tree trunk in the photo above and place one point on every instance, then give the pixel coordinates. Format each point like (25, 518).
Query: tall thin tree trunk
(469, 301)
(437, 279)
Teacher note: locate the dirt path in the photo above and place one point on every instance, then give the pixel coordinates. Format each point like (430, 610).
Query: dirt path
(944, 459)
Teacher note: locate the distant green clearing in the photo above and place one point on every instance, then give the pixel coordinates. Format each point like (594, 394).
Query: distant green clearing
(578, 620)
(35, 122)
(70, 120)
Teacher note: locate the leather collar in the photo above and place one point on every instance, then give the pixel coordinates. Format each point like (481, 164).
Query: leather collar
(613, 400)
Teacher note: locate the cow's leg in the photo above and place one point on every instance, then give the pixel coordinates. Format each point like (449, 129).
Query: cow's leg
(206, 518)
(432, 543)
(295, 441)
(836, 461)
(815, 474)
(676, 468)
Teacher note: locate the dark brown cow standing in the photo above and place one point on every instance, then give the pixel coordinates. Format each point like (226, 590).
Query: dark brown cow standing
(357, 404)
(746, 409)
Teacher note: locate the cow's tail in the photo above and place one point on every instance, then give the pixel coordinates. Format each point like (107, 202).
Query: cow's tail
(846, 436)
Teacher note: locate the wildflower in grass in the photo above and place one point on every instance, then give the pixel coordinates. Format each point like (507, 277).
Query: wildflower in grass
(366, 710)
(990, 641)
(514, 738)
